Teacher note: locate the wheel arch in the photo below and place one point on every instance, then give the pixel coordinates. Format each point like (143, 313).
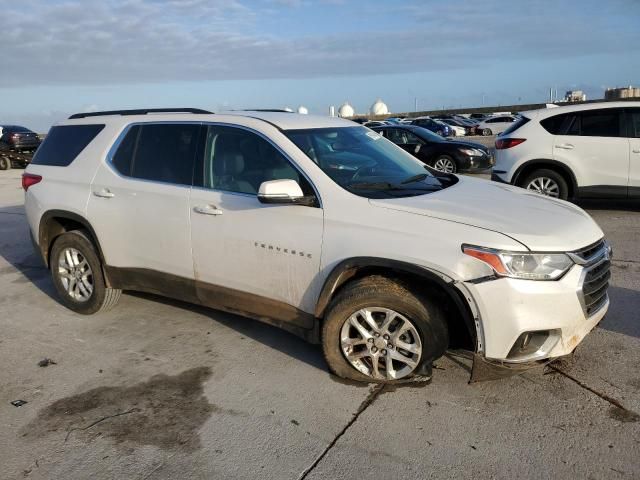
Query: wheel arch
(458, 312)
(54, 223)
(531, 165)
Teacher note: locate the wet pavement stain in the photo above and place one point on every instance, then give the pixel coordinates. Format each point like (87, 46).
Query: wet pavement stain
(164, 411)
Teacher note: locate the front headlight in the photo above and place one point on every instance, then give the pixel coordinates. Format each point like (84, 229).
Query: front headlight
(472, 152)
(527, 266)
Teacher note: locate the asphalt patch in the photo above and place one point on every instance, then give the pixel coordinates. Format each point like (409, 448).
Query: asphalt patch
(164, 411)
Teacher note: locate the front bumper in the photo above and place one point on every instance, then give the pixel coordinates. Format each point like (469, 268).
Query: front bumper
(475, 164)
(510, 308)
(498, 177)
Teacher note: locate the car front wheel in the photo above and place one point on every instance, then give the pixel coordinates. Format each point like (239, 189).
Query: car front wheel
(486, 132)
(445, 163)
(378, 330)
(5, 163)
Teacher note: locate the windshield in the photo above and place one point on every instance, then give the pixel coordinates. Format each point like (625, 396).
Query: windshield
(366, 164)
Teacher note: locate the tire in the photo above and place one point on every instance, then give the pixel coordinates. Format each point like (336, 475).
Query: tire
(487, 132)
(101, 298)
(378, 293)
(5, 163)
(547, 182)
(444, 163)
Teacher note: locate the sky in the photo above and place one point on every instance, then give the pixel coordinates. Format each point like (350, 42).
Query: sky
(65, 56)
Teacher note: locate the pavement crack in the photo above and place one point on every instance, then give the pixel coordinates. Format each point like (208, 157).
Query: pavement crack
(13, 213)
(629, 415)
(93, 424)
(373, 395)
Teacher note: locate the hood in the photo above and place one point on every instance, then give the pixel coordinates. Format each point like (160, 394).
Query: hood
(465, 144)
(539, 223)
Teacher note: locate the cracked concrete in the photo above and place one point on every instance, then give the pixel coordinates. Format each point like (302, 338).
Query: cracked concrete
(265, 407)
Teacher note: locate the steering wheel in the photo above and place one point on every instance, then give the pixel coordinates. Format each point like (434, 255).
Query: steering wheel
(360, 170)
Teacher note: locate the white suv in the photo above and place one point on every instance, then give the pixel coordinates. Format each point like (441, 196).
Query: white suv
(574, 151)
(316, 225)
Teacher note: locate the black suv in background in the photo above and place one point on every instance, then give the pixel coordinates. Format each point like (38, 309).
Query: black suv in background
(445, 155)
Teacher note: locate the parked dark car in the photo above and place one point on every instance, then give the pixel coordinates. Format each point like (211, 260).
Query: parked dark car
(469, 127)
(435, 126)
(18, 138)
(442, 154)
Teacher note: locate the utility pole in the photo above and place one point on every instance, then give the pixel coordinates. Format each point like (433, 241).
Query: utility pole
(415, 104)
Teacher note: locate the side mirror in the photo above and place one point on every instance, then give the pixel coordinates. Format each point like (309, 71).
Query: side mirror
(283, 192)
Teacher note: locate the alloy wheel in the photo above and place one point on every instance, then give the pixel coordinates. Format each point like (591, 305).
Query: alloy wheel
(75, 274)
(544, 186)
(445, 164)
(381, 343)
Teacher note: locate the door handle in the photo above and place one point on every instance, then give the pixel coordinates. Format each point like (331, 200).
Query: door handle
(104, 193)
(565, 146)
(636, 151)
(207, 210)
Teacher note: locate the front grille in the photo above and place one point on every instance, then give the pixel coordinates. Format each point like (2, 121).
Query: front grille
(595, 282)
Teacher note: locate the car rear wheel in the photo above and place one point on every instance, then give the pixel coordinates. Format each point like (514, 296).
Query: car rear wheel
(378, 330)
(5, 163)
(487, 132)
(77, 275)
(547, 182)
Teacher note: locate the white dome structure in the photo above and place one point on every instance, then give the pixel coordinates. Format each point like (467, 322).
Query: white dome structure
(379, 108)
(302, 110)
(346, 110)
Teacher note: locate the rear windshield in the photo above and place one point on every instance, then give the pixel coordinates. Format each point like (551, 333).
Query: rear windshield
(16, 129)
(516, 125)
(64, 143)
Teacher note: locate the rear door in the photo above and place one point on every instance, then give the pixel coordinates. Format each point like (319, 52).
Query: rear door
(633, 132)
(139, 202)
(593, 145)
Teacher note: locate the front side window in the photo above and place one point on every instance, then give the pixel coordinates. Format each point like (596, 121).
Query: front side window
(402, 137)
(236, 160)
(158, 152)
(367, 164)
(634, 125)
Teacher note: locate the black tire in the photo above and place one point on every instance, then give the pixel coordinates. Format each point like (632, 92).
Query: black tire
(102, 298)
(5, 163)
(446, 158)
(377, 291)
(563, 187)
(487, 132)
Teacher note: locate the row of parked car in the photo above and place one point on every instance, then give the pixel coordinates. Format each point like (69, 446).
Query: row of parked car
(447, 125)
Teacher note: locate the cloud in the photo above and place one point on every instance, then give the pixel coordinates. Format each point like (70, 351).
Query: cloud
(135, 41)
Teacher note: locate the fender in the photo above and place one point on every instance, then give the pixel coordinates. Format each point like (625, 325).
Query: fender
(348, 268)
(45, 235)
(542, 162)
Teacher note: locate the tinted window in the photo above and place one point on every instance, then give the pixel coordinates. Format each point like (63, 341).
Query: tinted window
(516, 125)
(123, 158)
(634, 126)
(64, 143)
(16, 129)
(600, 123)
(236, 160)
(402, 137)
(557, 125)
(166, 153)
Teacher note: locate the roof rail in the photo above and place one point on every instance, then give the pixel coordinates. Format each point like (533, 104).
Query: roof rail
(142, 111)
(266, 110)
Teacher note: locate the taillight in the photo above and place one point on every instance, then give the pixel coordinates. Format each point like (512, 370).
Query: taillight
(504, 143)
(29, 179)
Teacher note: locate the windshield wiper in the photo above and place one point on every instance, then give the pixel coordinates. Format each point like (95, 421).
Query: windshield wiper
(389, 186)
(416, 178)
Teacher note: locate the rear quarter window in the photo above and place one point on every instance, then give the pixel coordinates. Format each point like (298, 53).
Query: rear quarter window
(64, 143)
(516, 125)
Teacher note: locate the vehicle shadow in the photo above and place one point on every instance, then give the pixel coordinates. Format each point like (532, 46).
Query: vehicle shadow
(268, 335)
(624, 205)
(622, 316)
(16, 249)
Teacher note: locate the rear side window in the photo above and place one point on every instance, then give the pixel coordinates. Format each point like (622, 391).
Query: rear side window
(516, 125)
(634, 125)
(591, 123)
(64, 143)
(158, 152)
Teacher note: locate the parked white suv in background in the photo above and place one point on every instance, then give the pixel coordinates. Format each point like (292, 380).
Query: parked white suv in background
(590, 150)
(316, 225)
(495, 125)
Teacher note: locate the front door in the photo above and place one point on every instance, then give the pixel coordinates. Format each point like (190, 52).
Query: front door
(252, 257)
